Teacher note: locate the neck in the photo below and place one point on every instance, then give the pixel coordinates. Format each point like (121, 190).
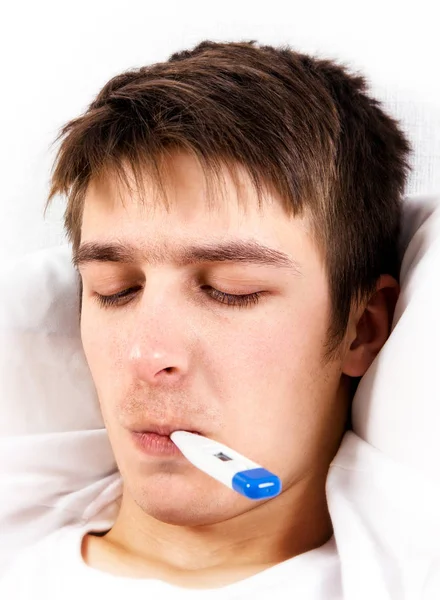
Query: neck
(290, 524)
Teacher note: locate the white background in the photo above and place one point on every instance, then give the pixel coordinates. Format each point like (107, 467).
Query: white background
(55, 56)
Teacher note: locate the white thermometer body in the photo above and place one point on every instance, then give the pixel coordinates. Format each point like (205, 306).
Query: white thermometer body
(227, 466)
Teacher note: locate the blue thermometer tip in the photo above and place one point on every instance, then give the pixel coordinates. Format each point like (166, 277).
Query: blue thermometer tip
(256, 484)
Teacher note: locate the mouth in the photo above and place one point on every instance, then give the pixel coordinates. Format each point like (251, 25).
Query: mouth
(164, 430)
(156, 442)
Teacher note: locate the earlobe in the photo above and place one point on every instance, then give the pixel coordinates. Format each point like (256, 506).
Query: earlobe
(370, 327)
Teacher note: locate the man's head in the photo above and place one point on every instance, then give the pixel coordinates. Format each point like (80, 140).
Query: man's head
(196, 163)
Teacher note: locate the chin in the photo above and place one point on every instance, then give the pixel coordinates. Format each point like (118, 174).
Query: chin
(187, 503)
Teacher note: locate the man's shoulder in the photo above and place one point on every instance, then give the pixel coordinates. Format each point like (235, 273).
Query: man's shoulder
(357, 456)
(49, 568)
(372, 497)
(42, 556)
(359, 465)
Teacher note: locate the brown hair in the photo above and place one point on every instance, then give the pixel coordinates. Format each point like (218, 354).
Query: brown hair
(304, 125)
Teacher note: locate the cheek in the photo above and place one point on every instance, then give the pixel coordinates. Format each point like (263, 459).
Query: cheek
(273, 382)
(99, 345)
(278, 343)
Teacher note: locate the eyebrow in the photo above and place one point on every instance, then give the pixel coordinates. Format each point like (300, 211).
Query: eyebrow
(239, 251)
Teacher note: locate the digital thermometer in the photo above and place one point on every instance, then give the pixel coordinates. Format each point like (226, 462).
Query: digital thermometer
(227, 466)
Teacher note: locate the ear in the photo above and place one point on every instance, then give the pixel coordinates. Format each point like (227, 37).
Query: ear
(370, 327)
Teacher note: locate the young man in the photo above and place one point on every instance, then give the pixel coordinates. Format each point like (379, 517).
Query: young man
(234, 215)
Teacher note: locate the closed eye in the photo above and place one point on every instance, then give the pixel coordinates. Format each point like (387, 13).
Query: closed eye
(240, 300)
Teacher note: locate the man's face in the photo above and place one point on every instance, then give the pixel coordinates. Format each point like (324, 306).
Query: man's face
(175, 353)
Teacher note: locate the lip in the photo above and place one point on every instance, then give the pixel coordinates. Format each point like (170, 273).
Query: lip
(164, 430)
(154, 444)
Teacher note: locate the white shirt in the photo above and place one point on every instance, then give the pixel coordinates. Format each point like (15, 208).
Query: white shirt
(386, 521)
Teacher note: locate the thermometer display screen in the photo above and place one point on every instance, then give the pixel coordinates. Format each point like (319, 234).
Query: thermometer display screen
(222, 456)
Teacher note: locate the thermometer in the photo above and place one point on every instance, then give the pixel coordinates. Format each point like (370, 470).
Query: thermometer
(227, 466)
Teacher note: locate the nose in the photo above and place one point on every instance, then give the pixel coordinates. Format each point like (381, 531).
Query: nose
(156, 363)
(159, 345)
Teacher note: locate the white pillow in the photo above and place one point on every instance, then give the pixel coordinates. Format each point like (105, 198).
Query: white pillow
(397, 405)
(55, 455)
(45, 382)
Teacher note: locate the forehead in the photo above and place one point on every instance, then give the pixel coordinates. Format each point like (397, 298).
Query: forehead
(188, 194)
